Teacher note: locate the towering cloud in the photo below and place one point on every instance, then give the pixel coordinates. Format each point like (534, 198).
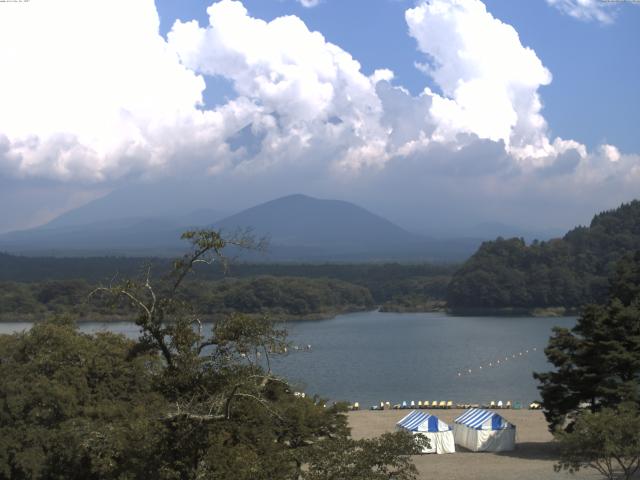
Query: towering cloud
(297, 92)
(90, 90)
(488, 79)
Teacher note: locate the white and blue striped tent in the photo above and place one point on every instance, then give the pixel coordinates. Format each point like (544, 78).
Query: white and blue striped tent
(439, 433)
(484, 431)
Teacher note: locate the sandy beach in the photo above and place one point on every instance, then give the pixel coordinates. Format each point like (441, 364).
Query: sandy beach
(533, 459)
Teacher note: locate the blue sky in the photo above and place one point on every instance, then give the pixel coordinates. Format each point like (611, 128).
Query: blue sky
(438, 114)
(595, 93)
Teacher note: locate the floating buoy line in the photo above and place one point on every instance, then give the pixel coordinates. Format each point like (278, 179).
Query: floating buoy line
(286, 350)
(465, 372)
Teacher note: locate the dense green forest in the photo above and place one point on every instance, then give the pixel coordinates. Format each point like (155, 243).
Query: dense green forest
(374, 276)
(567, 272)
(280, 298)
(30, 287)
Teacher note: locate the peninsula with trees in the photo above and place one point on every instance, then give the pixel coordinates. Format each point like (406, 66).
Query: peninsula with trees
(561, 275)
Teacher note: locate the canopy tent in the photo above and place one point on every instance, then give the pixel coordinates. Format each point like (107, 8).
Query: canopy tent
(484, 431)
(439, 433)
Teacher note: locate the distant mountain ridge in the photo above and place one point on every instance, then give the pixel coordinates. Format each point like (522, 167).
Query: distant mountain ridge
(300, 228)
(303, 228)
(125, 236)
(299, 220)
(567, 272)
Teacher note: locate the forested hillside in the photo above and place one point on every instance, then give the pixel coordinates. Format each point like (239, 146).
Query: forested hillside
(567, 272)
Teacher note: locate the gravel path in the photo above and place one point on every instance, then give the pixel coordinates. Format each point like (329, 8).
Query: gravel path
(533, 458)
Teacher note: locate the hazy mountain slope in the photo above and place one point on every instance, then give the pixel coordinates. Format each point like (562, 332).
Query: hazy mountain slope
(123, 236)
(302, 228)
(115, 236)
(165, 200)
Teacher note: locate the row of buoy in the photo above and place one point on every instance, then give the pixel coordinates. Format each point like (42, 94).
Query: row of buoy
(295, 348)
(304, 348)
(495, 363)
(283, 350)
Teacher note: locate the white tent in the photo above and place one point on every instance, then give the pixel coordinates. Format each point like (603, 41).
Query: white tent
(439, 433)
(484, 431)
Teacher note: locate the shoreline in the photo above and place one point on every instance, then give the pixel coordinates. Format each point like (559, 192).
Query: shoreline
(37, 318)
(557, 312)
(311, 317)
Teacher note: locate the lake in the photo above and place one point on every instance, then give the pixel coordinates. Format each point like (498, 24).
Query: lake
(372, 356)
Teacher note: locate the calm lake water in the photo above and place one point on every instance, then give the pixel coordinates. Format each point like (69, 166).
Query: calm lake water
(372, 356)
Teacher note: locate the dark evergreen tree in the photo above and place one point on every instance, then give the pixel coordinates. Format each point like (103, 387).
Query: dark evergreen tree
(598, 361)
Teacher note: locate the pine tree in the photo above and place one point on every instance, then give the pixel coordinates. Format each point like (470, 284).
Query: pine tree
(598, 361)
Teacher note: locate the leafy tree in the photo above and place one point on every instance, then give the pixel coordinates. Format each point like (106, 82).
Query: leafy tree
(183, 402)
(383, 458)
(608, 441)
(75, 406)
(598, 361)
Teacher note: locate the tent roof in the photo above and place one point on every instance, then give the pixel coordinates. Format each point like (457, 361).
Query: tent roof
(483, 420)
(422, 422)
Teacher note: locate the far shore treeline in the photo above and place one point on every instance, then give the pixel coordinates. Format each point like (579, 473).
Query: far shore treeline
(504, 276)
(282, 292)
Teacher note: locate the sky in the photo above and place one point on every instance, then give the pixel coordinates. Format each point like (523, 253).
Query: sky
(438, 114)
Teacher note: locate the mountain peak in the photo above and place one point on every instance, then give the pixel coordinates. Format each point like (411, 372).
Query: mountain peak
(302, 220)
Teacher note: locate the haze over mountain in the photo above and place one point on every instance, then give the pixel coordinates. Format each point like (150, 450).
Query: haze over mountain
(299, 227)
(127, 236)
(159, 200)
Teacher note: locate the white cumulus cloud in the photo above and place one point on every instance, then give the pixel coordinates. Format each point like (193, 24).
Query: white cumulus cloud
(90, 90)
(489, 80)
(303, 94)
